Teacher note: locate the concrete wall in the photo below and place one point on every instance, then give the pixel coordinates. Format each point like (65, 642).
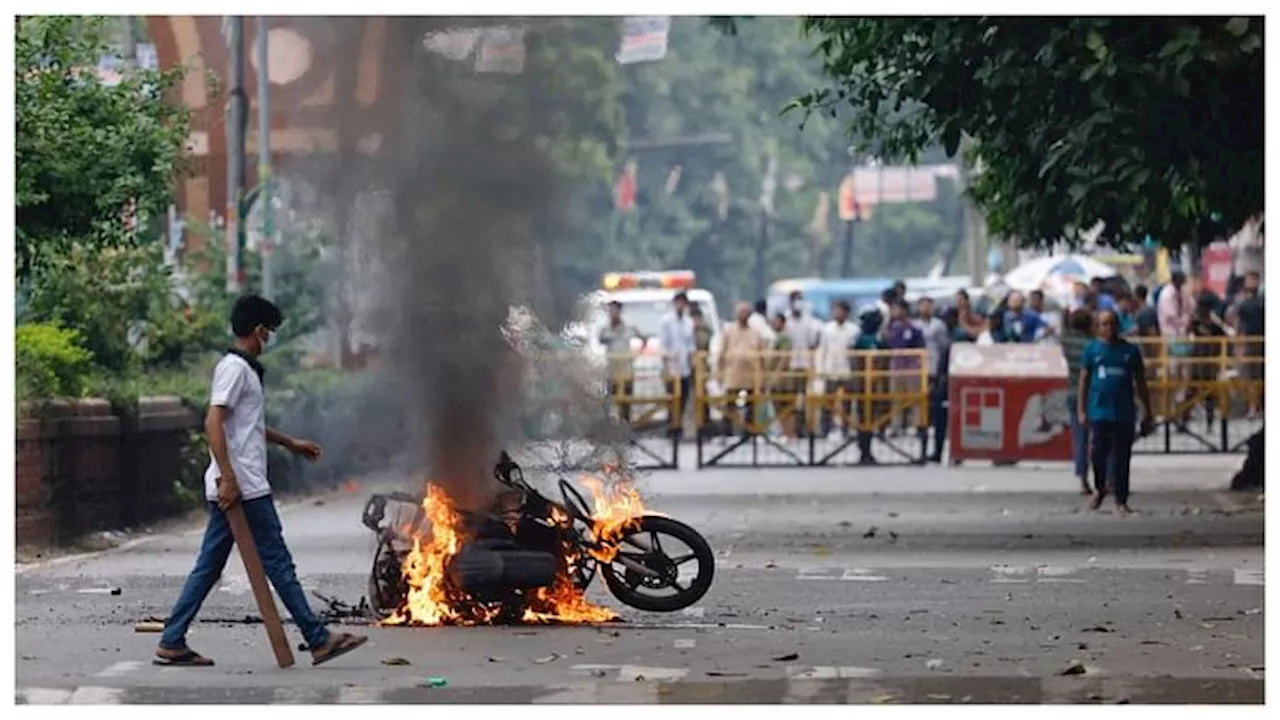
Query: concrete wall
(82, 469)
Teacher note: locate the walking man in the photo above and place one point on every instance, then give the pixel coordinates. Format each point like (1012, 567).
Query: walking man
(1111, 373)
(616, 338)
(237, 473)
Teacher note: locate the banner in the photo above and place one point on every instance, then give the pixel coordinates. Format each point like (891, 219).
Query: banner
(644, 39)
(501, 51)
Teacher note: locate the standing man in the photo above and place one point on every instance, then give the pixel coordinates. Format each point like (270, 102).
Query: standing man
(1251, 321)
(740, 365)
(1021, 325)
(236, 427)
(760, 321)
(804, 331)
(833, 364)
(903, 336)
(616, 339)
(1111, 375)
(676, 336)
(937, 341)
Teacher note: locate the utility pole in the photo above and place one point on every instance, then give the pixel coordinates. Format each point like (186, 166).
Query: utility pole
(974, 241)
(267, 249)
(237, 125)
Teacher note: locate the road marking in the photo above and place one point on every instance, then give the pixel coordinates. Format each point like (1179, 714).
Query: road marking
(630, 673)
(44, 696)
(696, 611)
(1196, 577)
(1246, 576)
(359, 695)
(637, 673)
(96, 696)
(684, 643)
(700, 626)
(296, 696)
(120, 669)
(861, 575)
(830, 673)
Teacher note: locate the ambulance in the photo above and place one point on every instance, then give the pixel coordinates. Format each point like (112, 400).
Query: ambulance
(646, 298)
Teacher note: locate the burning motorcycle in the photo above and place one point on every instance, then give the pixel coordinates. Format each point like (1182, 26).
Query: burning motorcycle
(530, 558)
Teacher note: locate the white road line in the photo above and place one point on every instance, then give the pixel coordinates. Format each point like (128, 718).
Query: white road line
(1055, 570)
(638, 673)
(696, 611)
(684, 643)
(296, 696)
(861, 575)
(359, 695)
(796, 672)
(96, 696)
(1196, 577)
(120, 669)
(1063, 581)
(44, 696)
(1246, 576)
(700, 626)
(577, 694)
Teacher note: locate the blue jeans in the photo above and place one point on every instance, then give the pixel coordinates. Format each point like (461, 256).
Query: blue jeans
(1079, 441)
(264, 524)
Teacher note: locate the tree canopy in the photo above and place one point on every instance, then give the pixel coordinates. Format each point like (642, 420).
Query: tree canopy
(93, 158)
(1151, 125)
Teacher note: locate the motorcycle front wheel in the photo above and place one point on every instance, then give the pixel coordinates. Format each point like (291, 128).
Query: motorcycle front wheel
(663, 549)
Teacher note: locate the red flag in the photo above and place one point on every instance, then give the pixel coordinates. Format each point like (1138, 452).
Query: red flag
(624, 191)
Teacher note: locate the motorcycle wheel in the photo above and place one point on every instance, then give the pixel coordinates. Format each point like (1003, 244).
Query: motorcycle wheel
(384, 598)
(638, 590)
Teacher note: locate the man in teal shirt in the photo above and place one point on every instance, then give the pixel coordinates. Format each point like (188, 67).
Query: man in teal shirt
(1111, 373)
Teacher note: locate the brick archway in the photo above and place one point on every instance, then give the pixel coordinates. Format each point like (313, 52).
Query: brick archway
(333, 89)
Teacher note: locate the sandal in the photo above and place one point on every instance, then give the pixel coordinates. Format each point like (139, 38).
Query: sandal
(337, 647)
(188, 658)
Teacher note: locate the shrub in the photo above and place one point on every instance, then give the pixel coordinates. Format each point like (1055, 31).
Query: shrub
(51, 361)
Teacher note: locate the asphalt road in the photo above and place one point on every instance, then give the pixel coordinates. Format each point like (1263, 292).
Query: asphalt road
(903, 585)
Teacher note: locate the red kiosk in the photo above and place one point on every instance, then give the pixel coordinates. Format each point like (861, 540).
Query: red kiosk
(1009, 402)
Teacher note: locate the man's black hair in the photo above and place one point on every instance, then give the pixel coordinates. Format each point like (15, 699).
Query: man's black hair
(762, 307)
(695, 310)
(888, 296)
(1140, 292)
(841, 303)
(680, 296)
(615, 303)
(898, 285)
(1036, 293)
(250, 311)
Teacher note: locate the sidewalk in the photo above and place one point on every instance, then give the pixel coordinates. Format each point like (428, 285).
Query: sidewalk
(1160, 473)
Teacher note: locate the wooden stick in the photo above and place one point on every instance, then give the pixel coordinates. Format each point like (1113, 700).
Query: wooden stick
(258, 581)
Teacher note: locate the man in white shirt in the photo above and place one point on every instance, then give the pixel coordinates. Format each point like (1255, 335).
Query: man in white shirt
(237, 473)
(759, 321)
(676, 337)
(805, 330)
(833, 362)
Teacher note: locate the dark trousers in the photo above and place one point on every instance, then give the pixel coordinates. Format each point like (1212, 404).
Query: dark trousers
(1112, 451)
(938, 416)
(1079, 442)
(264, 525)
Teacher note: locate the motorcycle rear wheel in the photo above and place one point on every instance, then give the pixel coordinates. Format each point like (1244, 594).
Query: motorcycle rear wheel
(627, 585)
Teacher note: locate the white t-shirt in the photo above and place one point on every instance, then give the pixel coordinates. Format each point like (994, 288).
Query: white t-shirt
(833, 348)
(237, 388)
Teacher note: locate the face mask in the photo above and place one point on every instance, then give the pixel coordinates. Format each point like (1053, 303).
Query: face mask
(268, 342)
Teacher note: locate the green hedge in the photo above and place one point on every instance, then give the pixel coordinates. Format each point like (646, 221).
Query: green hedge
(50, 361)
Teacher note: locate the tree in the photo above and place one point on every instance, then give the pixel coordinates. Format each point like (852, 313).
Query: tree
(92, 159)
(1153, 126)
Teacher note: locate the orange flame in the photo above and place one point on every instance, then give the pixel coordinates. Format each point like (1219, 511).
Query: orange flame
(431, 600)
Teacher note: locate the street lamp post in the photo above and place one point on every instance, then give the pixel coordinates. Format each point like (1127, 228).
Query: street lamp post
(265, 196)
(237, 122)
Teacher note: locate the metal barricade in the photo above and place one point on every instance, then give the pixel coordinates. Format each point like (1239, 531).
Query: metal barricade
(1206, 393)
(771, 414)
(643, 398)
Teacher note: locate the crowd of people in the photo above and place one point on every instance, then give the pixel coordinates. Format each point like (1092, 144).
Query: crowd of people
(777, 353)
